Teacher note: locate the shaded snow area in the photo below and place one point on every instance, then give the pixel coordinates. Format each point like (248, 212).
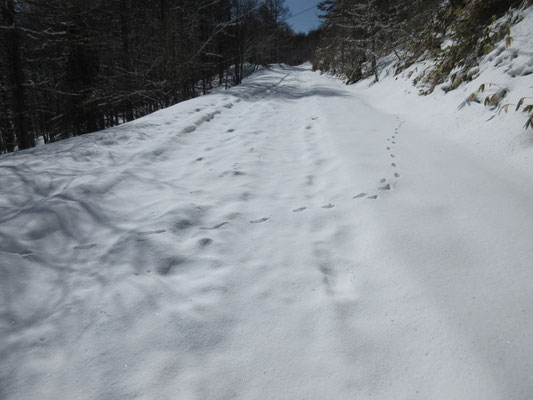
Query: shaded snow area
(290, 238)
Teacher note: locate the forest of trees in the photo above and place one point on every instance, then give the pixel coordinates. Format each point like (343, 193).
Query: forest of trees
(357, 33)
(68, 67)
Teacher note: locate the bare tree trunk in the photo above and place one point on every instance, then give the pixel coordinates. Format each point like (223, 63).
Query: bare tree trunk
(7, 137)
(374, 60)
(16, 74)
(125, 29)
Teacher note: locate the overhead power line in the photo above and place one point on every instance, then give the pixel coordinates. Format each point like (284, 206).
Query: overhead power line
(299, 13)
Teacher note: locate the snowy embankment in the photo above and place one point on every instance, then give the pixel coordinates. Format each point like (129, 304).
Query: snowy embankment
(290, 238)
(491, 132)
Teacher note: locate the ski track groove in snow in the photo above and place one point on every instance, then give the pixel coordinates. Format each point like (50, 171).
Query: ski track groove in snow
(228, 247)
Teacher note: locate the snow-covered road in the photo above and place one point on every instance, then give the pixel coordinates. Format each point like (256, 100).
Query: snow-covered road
(284, 239)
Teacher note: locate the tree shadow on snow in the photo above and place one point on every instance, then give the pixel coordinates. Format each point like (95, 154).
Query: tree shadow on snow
(279, 85)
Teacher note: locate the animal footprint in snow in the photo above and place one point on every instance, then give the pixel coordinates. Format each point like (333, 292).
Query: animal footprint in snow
(328, 206)
(188, 129)
(147, 233)
(205, 242)
(299, 209)
(393, 164)
(392, 155)
(386, 187)
(397, 175)
(359, 196)
(232, 173)
(374, 197)
(230, 130)
(383, 180)
(166, 266)
(218, 226)
(85, 247)
(260, 220)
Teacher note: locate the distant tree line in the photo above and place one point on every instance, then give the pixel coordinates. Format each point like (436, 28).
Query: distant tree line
(453, 33)
(68, 67)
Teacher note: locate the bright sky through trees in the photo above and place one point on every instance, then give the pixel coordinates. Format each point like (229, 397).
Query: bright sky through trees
(305, 21)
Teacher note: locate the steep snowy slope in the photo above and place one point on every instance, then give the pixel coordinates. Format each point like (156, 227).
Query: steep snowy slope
(285, 239)
(490, 131)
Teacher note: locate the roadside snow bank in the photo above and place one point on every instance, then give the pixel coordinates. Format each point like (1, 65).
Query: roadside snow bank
(488, 131)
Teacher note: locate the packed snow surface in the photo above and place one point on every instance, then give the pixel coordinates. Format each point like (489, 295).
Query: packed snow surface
(290, 238)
